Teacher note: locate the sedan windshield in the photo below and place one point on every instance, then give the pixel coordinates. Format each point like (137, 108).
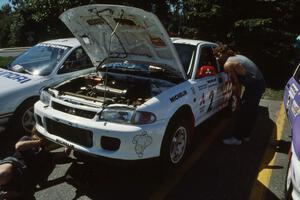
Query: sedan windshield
(39, 60)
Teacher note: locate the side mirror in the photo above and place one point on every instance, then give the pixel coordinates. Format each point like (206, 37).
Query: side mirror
(205, 71)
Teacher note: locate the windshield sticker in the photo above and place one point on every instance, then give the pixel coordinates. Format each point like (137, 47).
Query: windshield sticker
(52, 45)
(141, 143)
(17, 68)
(19, 78)
(178, 96)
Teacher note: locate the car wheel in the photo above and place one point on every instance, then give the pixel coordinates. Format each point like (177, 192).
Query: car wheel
(288, 182)
(175, 143)
(24, 118)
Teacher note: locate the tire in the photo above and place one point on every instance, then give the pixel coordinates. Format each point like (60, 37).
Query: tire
(24, 118)
(176, 143)
(288, 189)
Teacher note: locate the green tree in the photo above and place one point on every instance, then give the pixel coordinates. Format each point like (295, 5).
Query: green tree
(5, 21)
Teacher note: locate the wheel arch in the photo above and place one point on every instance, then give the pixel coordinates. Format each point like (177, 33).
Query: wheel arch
(32, 98)
(182, 111)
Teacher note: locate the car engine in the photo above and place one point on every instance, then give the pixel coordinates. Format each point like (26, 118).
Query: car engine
(113, 88)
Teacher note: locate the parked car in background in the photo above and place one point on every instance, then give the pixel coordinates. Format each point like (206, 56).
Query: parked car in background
(292, 102)
(144, 100)
(45, 64)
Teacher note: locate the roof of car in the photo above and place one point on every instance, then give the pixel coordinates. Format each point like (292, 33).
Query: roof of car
(190, 41)
(71, 42)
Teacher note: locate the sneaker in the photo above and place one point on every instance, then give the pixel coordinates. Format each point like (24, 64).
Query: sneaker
(232, 141)
(246, 139)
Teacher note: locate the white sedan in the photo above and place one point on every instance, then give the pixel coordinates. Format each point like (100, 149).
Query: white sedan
(148, 94)
(43, 65)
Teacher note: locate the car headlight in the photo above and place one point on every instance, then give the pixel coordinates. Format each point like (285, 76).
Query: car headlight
(127, 116)
(45, 97)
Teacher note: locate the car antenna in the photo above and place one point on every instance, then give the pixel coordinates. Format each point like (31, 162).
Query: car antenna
(109, 45)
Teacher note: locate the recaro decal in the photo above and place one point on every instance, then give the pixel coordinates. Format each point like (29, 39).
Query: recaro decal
(19, 78)
(178, 96)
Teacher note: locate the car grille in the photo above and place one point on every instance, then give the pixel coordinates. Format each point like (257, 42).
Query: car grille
(77, 135)
(73, 111)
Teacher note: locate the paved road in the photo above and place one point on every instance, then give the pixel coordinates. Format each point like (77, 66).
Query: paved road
(254, 170)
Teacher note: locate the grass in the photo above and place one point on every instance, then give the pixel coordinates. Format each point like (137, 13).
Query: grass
(272, 94)
(5, 60)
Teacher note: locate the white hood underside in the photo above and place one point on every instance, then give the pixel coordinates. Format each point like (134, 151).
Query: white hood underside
(112, 30)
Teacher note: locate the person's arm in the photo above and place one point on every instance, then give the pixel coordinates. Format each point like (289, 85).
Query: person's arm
(229, 68)
(28, 143)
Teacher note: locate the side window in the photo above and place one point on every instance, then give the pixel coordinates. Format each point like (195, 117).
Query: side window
(77, 60)
(207, 64)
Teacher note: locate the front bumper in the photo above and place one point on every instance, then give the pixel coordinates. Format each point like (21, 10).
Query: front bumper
(135, 142)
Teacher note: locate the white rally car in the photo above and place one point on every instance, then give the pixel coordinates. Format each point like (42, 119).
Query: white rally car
(42, 65)
(148, 94)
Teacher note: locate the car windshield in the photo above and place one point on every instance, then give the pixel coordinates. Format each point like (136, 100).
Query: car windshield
(185, 52)
(39, 60)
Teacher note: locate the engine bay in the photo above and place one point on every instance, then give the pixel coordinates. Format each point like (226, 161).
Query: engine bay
(114, 88)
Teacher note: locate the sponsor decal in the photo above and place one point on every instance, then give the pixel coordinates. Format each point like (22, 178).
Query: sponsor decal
(141, 143)
(293, 91)
(211, 98)
(201, 87)
(295, 109)
(212, 80)
(52, 45)
(178, 96)
(157, 41)
(202, 100)
(12, 76)
(193, 90)
(64, 143)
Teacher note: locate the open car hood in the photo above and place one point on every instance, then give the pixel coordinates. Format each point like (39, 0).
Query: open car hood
(121, 31)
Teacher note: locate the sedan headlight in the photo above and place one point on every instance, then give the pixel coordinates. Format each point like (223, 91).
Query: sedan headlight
(127, 116)
(45, 97)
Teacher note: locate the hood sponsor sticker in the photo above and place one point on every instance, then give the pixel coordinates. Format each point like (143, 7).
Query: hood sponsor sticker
(12, 76)
(178, 96)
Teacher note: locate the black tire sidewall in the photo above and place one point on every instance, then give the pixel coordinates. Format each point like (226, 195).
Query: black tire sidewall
(165, 151)
(18, 116)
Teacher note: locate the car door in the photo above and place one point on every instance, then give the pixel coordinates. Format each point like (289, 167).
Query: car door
(206, 82)
(292, 96)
